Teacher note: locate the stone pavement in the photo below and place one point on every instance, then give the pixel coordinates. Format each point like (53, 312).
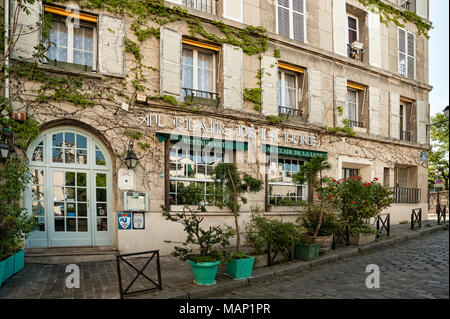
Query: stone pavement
(416, 269)
(99, 279)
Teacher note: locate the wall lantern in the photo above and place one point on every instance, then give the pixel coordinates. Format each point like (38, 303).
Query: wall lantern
(5, 149)
(447, 111)
(131, 157)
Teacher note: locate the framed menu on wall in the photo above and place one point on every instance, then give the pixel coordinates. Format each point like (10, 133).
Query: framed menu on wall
(138, 220)
(135, 201)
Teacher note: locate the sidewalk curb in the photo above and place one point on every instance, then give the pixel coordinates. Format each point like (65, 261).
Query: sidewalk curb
(298, 266)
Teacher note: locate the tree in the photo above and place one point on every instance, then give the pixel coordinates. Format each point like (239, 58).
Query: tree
(235, 185)
(439, 154)
(313, 173)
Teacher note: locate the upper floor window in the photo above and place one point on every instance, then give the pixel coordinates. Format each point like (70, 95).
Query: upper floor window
(291, 19)
(198, 75)
(355, 111)
(405, 115)
(290, 89)
(406, 54)
(73, 42)
(208, 6)
(352, 105)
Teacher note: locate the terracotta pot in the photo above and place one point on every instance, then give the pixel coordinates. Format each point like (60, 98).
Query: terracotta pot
(362, 239)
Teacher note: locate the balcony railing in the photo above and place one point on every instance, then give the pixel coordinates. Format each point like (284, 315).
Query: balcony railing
(355, 54)
(355, 124)
(403, 195)
(201, 97)
(208, 6)
(289, 111)
(405, 136)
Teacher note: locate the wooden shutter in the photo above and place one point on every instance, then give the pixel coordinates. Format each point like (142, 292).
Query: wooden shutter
(374, 111)
(298, 22)
(233, 64)
(340, 99)
(27, 34)
(233, 10)
(339, 27)
(170, 62)
(315, 104)
(374, 39)
(402, 52)
(111, 45)
(421, 122)
(283, 18)
(269, 85)
(411, 62)
(394, 104)
(422, 8)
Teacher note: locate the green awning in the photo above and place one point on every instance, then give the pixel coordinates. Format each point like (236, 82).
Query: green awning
(203, 141)
(289, 151)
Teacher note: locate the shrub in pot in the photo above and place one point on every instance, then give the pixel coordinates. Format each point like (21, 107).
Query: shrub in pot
(306, 248)
(203, 248)
(234, 185)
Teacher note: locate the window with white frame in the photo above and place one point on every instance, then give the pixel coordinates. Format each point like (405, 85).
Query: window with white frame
(287, 89)
(72, 42)
(352, 105)
(198, 72)
(406, 54)
(291, 20)
(353, 33)
(349, 172)
(195, 166)
(282, 189)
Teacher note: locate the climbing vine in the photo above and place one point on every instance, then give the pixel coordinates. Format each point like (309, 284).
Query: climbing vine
(389, 13)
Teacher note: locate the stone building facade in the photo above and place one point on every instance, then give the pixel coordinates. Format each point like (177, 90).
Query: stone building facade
(180, 100)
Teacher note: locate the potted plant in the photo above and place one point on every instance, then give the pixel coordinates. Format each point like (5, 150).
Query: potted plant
(15, 222)
(203, 255)
(313, 174)
(234, 186)
(306, 248)
(309, 220)
(359, 202)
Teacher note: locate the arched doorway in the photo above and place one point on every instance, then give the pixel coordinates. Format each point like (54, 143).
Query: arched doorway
(70, 193)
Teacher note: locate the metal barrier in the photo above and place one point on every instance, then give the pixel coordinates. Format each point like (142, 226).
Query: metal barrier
(441, 214)
(344, 235)
(139, 272)
(416, 218)
(385, 224)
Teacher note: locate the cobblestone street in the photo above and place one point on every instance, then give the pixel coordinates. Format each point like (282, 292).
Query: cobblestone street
(418, 268)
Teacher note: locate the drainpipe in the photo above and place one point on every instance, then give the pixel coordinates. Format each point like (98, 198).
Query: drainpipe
(6, 53)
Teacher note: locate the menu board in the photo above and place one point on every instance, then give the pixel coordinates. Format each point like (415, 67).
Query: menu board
(136, 201)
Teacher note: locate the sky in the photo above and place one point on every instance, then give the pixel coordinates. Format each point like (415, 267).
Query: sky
(439, 55)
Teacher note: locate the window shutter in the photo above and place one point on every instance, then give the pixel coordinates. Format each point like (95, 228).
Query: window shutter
(374, 39)
(339, 27)
(27, 34)
(340, 99)
(315, 103)
(422, 8)
(233, 65)
(269, 66)
(298, 20)
(111, 45)
(170, 62)
(421, 122)
(394, 103)
(283, 18)
(402, 52)
(232, 9)
(411, 56)
(374, 111)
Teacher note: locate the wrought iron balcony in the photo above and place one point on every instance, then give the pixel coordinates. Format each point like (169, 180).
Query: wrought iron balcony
(201, 97)
(403, 195)
(289, 111)
(405, 136)
(208, 6)
(355, 124)
(355, 54)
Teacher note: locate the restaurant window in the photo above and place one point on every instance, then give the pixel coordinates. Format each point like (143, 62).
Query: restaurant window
(349, 172)
(198, 76)
(282, 189)
(194, 167)
(72, 41)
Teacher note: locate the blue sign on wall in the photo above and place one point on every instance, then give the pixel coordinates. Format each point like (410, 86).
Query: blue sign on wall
(423, 156)
(124, 220)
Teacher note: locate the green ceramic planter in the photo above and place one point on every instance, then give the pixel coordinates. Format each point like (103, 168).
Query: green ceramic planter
(2, 268)
(19, 261)
(307, 252)
(8, 270)
(204, 272)
(241, 268)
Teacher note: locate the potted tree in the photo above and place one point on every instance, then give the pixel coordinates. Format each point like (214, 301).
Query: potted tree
(359, 202)
(313, 174)
(234, 186)
(15, 222)
(206, 244)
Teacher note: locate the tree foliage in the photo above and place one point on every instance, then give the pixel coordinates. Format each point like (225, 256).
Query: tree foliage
(438, 157)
